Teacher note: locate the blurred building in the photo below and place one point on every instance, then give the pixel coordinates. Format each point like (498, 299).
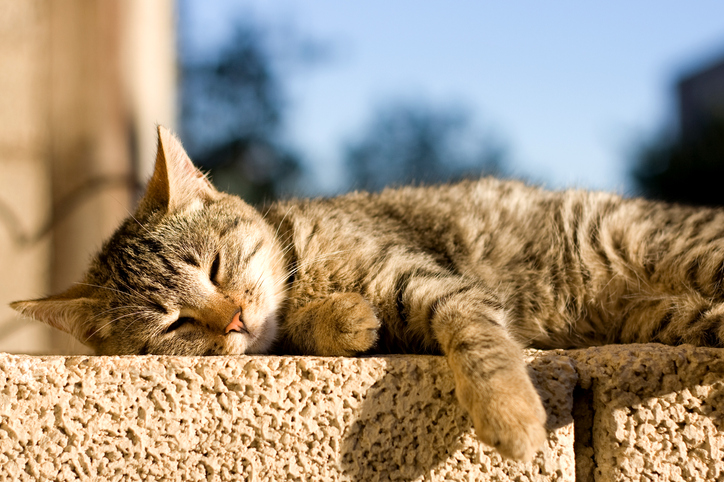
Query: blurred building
(701, 98)
(82, 85)
(686, 166)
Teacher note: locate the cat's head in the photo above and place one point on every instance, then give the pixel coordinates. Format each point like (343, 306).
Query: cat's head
(193, 272)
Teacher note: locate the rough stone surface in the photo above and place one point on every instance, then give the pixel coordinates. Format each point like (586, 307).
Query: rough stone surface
(642, 412)
(658, 413)
(258, 418)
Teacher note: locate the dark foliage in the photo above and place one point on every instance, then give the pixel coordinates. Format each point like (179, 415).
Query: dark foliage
(232, 107)
(420, 143)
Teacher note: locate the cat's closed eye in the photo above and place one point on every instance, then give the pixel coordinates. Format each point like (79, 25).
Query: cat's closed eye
(180, 322)
(214, 270)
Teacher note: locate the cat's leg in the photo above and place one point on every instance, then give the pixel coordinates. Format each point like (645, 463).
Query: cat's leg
(340, 324)
(491, 378)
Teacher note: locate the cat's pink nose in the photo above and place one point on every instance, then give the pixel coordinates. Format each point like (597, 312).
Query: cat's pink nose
(236, 324)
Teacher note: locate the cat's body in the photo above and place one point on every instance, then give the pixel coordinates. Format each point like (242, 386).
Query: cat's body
(474, 270)
(569, 269)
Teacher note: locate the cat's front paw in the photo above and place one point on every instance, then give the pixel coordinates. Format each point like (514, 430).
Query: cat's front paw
(507, 413)
(352, 326)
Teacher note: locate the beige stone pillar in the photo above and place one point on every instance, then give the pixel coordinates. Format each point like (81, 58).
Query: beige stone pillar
(83, 84)
(25, 189)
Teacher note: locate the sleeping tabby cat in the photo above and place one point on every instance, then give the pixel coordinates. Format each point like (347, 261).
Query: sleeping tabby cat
(475, 271)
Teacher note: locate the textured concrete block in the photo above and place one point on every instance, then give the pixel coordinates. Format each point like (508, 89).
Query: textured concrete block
(658, 413)
(615, 413)
(259, 418)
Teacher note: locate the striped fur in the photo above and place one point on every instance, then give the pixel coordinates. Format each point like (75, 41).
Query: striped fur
(474, 271)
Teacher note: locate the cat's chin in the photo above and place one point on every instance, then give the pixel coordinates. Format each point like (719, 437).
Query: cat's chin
(259, 345)
(250, 346)
(265, 336)
(257, 342)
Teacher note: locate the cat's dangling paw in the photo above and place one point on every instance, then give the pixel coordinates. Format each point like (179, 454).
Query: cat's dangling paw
(352, 327)
(507, 413)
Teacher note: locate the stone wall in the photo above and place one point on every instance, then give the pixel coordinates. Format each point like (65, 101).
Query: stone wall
(637, 412)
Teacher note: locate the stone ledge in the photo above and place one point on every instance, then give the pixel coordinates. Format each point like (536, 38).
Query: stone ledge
(642, 412)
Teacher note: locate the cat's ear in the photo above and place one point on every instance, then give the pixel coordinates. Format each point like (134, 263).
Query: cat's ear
(71, 312)
(176, 183)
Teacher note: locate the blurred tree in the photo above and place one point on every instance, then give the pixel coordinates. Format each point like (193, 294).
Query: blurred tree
(232, 107)
(687, 169)
(421, 143)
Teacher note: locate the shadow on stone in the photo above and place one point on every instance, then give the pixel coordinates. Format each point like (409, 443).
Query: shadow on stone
(410, 426)
(657, 410)
(409, 423)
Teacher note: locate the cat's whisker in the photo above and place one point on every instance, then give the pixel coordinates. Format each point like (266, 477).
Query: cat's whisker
(283, 279)
(282, 253)
(131, 323)
(258, 281)
(138, 293)
(99, 315)
(131, 215)
(276, 234)
(324, 257)
(110, 322)
(154, 331)
(100, 286)
(321, 257)
(134, 291)
(266, 213)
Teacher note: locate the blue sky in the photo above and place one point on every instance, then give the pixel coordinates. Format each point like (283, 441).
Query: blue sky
(569, 86)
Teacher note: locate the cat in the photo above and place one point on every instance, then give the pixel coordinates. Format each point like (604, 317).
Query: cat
(475, 271)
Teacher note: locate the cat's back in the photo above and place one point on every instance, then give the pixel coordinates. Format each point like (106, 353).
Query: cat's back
(471, 220)
(459, 217)
(488, 200)
(443, 217)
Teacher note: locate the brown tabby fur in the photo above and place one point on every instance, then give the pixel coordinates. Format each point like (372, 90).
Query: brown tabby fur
(475, 271)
